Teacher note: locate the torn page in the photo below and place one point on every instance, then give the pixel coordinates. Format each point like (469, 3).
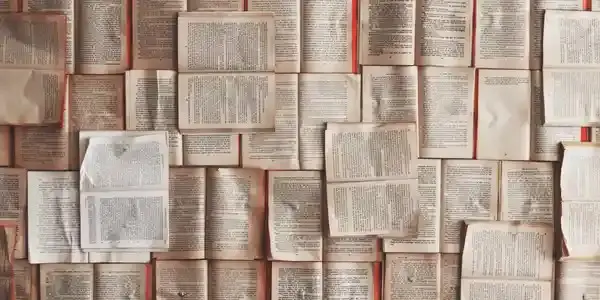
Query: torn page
(250, 97)
(53, 216)
(211, 150)
(571, 97)
(504, 115)
(250, 43)
(75, 281)
(151, 104)
(181, 279)
(294, 216)
(125, 174)
(13, 188)
(96, 102)
(215, 5)
(389, 94)
(446, 109)
(277, 150)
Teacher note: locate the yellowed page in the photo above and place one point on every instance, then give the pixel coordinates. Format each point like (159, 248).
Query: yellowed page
(411, 276)
(288, 16)
(504, 115)
(45, 148)
(475, 289)
(154, 33)
(237, 280)
(324, 98)
(578, 279)
(564, 46)
(469, 192)
(187, 212)
(502, 35)
(290, 279)
(211, 150)
(96, 102)
(13, 188)
(181, 279)
(446, 109)
(352, 248)
(527, 192)
(389, 94)
(235, 213)
(26, 280)
(294, 216)
(277, 150)
(120, 281)
(8, 237)
(200, 97)
(53, 277)
(428, 237)
(251, 42)
(388, 32)
(6, 145)
(102, 37)
(9, 6)
(215, 5)
(327, 28)
(449, 276)
(349, 280)
(151, 104)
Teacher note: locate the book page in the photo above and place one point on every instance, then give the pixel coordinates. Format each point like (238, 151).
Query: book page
(350, 280)
(96, 102)
(411, 276)
(26, 280)
(64, 281)
(9, 6)
(181, 279)
(389, 94)
(578, 279)
(120, 281)
(571, 97)
(446, 112)
(32, 81)
(290, 279)
(287, 31)
(386, 208)
(124, 193)
(595, 5)
(251, 96)
(154, 33)
(449, 276)
(211, 150)
(324, 98)
(8, 237)
(237, 280)
(445, 31)
(235, 213)
(502, 35)
(427, 239)
(53, 218)
(250, 42)
(102, 45)
(119, 257)
(352, 248)
(187, 212)
(294, 216)
(65, 7)
(6, 145)
(328, 36)
(277, 150)
(151, 104)
(45, 148)
(545, 140)
(475, 289)
(211, 5)
(387, 31)
(469, 192)
(13, 188)
(504, 114)
(564, 46)
(527, 192)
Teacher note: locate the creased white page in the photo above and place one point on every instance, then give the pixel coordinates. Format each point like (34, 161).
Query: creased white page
(53, 218)
(504, 115)
(389, 94)
(124, 193)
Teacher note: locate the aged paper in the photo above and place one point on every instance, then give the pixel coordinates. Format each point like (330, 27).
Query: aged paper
(45, 148)
(571, 97)
(125, 174)
(8, 238)
(446, 110)
(564, 45)
(237, 280)
(352, 248)
(26, 280)
(96, 102)
(64, 281)
(215, 5)
(151, 104)
(187, 214)
(9, 6)
(328, 37)
(181, 279)
(504, 115)
(277, 150)
(13, 188)
(53, 218)
(121, 281)
(351, 280)
(32, 81)
(154, 33)
(6, 145)
(578, 279)
(102, 37)
(211, 150)
(290, 279)
(235, 213)
(288, 16)
(389, 94)
(250, 45)
(324, 98)
(250, 97)
(595, 5)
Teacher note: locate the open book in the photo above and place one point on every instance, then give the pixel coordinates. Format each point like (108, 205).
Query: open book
(97, 33)
(32, 74)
